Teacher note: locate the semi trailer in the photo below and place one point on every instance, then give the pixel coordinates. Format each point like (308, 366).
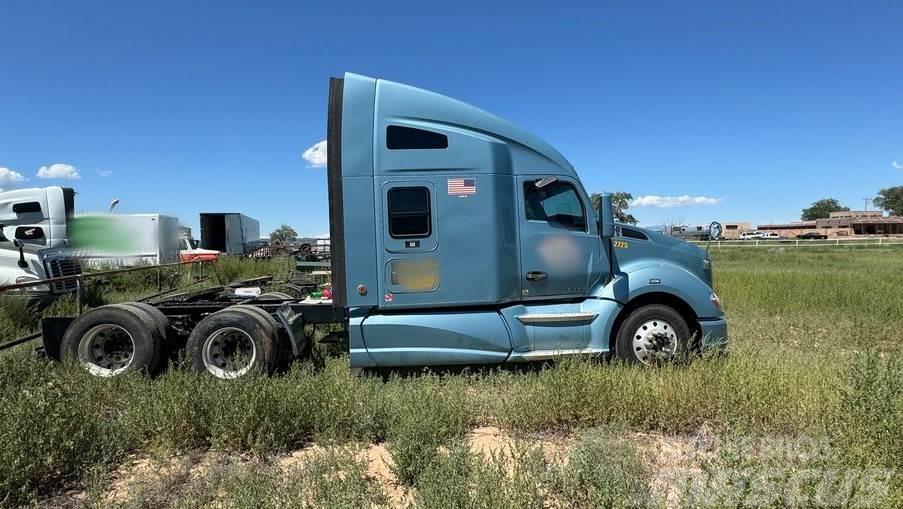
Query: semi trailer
(228, 232)
(456, 238)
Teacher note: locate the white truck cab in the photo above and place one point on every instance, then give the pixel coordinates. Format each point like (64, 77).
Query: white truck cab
(33, 231)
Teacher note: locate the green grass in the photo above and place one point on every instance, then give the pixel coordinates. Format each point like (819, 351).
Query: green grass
(816, 351)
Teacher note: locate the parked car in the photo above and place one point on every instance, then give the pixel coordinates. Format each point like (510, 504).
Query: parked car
(750, 235)
(770, 236)
(812, 235)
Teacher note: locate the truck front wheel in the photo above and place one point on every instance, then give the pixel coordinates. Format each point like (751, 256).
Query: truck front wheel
(652, 334)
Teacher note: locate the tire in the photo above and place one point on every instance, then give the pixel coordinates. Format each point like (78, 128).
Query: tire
(653, 334)
(283, 349)
(296, 291)
(274, 296)
(233, 342)
(113, 340)
(161, 323)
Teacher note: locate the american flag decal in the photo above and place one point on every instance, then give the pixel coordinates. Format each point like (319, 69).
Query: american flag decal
(462, 187)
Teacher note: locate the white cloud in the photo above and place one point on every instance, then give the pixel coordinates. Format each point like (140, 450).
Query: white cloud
(104, 173)
(664, 202)
(897, 164)
(316, 155)
(10, 178)
(58, 171)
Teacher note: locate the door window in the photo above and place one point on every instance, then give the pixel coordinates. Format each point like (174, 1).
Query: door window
(409, 212)
(557, 204)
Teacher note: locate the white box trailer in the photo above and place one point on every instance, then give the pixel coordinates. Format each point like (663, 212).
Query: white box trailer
(125, 240)
(228, 232)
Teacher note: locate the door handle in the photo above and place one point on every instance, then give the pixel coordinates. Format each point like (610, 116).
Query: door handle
(535, 275)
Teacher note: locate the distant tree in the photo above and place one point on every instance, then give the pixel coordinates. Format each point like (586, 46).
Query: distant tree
(284, 234)
(891, 200)
(672, 225)
(821, 209)
(620, 202)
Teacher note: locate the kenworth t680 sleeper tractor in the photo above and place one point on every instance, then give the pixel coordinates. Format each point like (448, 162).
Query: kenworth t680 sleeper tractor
(456, 238)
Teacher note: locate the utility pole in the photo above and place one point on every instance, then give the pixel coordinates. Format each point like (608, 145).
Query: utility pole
(866, 201)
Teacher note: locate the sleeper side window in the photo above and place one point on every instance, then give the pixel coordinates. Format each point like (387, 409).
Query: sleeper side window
(409, 212)
(409, 138)
(29, 207)
(558, 204)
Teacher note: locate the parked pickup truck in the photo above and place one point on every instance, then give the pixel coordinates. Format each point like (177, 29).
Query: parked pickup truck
(456, 238)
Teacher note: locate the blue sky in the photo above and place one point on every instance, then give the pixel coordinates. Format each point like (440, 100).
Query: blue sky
(181, 107)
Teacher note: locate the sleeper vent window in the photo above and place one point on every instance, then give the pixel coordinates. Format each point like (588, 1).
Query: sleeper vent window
(633, 234)
(29, 207)
(407, 138)
(409, 212)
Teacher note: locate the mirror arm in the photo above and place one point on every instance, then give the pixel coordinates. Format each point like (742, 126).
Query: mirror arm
(22, 263)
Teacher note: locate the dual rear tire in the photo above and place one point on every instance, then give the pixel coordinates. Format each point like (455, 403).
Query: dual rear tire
(123, 338)
(235, 341)
(116, 339)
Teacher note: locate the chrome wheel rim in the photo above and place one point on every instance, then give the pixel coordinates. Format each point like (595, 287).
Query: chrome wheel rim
(654, 341)
(106, 350)
(229, 353)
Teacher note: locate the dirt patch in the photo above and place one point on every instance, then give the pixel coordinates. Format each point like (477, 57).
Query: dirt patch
(489, 441)
(672, 457)
(379, 468)
(157, 474)
(163, 476)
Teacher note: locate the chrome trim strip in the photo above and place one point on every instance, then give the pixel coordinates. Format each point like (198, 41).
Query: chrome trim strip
(535, 318)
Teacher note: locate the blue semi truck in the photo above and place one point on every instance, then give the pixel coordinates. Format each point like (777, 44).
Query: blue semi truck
(456, 238)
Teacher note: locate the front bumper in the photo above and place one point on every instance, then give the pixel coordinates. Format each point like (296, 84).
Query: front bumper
(714, 333)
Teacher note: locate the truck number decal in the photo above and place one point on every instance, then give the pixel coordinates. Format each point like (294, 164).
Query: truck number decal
(620, 244)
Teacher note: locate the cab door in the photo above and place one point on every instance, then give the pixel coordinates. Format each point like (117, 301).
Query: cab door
(561, 251)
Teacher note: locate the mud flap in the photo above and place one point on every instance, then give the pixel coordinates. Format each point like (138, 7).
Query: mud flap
(293, 325)
(52, 330)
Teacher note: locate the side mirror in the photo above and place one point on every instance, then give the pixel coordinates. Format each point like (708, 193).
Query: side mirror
(715, 230)
(606, 217)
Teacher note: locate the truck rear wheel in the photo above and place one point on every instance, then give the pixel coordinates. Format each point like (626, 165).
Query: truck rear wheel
(231, 343)
(112, 340)
(156, 319)
(652, 334)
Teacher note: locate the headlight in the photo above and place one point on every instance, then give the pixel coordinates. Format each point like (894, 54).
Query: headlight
(26, 279)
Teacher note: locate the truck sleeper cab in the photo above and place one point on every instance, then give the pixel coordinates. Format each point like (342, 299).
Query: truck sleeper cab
(459, 238)
(456, 238)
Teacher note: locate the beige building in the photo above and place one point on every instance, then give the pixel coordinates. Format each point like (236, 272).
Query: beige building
(842, 224)
(732, 229)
